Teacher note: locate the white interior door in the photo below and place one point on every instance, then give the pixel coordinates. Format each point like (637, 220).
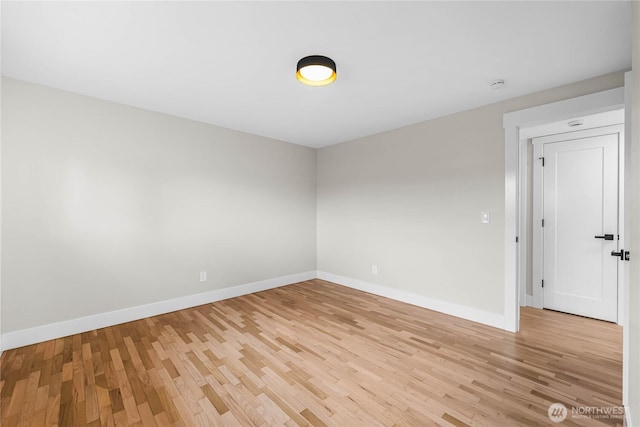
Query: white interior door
(580, 228)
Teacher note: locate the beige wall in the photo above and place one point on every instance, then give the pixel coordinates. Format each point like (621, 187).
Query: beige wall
(409, 201)
(107, 206)
(634, 266)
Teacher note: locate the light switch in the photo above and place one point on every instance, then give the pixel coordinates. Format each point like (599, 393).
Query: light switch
(485, 217)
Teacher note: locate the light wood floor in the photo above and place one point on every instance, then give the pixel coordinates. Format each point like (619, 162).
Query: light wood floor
(314, 353)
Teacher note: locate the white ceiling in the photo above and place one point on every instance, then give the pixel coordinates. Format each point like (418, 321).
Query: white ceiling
(232, 64)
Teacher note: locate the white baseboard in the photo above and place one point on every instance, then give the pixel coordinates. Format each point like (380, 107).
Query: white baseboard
(627, 416)
(528, 300)
(473, 314)
(51, 331)
(75, 326)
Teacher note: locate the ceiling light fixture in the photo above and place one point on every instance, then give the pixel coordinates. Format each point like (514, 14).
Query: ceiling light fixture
(316, 70)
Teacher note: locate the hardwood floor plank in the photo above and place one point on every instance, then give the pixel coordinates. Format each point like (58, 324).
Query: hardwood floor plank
(315, 354)
(312, 418)
(215, 399)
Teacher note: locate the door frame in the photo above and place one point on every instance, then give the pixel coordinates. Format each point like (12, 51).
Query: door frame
(600, 102)
(626, 337)
(538, 243)
(512, 123)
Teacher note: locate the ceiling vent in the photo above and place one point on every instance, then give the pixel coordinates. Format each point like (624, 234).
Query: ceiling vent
(498, 84)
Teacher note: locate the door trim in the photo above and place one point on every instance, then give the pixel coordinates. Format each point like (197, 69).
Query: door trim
(626, 300)
(599, 102)
(538, 252)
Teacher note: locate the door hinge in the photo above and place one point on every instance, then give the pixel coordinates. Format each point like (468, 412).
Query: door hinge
(541, 158)
(516, 239)
(543, 283)
(543, 222)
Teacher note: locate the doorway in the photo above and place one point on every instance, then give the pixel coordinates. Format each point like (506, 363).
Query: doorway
(575, 220)
(515, 123)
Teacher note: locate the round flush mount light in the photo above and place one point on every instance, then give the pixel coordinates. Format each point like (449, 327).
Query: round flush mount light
(316, 70)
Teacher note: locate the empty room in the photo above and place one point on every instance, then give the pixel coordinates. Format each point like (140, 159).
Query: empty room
(320, 213)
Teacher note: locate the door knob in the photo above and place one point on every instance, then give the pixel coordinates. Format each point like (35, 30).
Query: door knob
(624, 255)
(605, 237)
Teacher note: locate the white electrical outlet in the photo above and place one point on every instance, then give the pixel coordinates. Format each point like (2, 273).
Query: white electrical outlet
(374, 269)
(203, 276)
